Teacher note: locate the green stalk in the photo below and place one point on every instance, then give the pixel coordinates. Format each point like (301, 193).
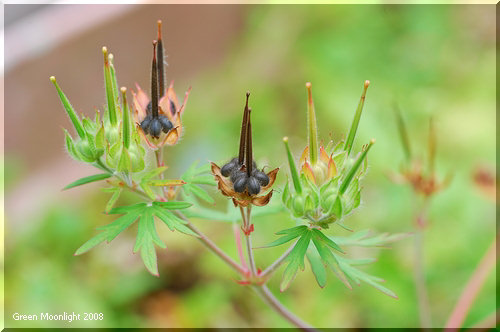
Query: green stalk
(114, 81)
(355, 121)
(432, 147)
(355, 167)
(126, 119)
(109, 88)
(69, 109)
(312, 126)
(293, 168)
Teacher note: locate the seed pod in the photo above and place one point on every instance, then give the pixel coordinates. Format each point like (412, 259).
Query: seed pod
(165, 124)
(155, 128)
(261, 177)
(253, 186)
(146, 123)
(229, 167)
(235, 174)
(241, 183)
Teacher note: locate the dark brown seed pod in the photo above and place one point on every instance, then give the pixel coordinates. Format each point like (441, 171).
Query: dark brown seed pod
(236, 173)
(253, 186)
(241, 183)
(155, 128)
(261, 177)
(166, 125)
(146, 123)
(229, 167)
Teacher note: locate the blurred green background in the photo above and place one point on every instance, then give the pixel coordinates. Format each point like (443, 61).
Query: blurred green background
(432, 61)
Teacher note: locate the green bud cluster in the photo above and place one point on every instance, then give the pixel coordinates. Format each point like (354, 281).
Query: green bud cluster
(111, 136)
(327, 187)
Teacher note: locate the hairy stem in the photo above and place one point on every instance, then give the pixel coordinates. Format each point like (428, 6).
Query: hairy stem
(213, 247)
(248, 240)
(472, 288)
(159, 163)
(274, 303)
(237, 237)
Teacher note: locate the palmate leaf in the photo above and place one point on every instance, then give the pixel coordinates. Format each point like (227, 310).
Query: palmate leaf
(147, 237)
(196, 176)
(295, 259)
(356, 275)
(364, 238)
(147, 181)
(87, 179)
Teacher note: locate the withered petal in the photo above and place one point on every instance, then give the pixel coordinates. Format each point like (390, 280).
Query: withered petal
(272, 177)
(304, 155)
(262, 200)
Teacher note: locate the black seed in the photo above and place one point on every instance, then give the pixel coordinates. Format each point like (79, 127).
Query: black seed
(241, 183)
(166, 125)
(155, 128)
(146, 123)
(229, 167)
(253, 186)
(261, 177)
(236, 174)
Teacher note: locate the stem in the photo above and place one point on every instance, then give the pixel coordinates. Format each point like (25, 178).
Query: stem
(273, 302)
(237, 237)
(248, 240)
(213, 247)
(274, 266)
(159, 163)
(472, 288)
(423, 300)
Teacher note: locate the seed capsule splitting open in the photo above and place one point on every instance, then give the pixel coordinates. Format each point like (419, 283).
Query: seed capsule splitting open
(240, 178)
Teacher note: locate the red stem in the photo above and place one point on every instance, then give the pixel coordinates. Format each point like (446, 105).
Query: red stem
(472, 288)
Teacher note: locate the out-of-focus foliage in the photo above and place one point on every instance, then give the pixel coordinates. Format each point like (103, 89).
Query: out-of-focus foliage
(430, 60)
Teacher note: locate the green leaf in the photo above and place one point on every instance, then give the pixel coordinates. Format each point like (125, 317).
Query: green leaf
(204, 179)
(116, 194)
(323, 238)
(99, 138)
(113, 229)
(281, 240)
(101, 237)
(295, 260)
(173, 205)
(173, 222)
(165, 182)
(199, 192)
(329, 260)
(128, 208)
(155, 172)
(317, 267)
(196, 176)
(87, 179)
(357, 275)
(365, 239)
(294, 230)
